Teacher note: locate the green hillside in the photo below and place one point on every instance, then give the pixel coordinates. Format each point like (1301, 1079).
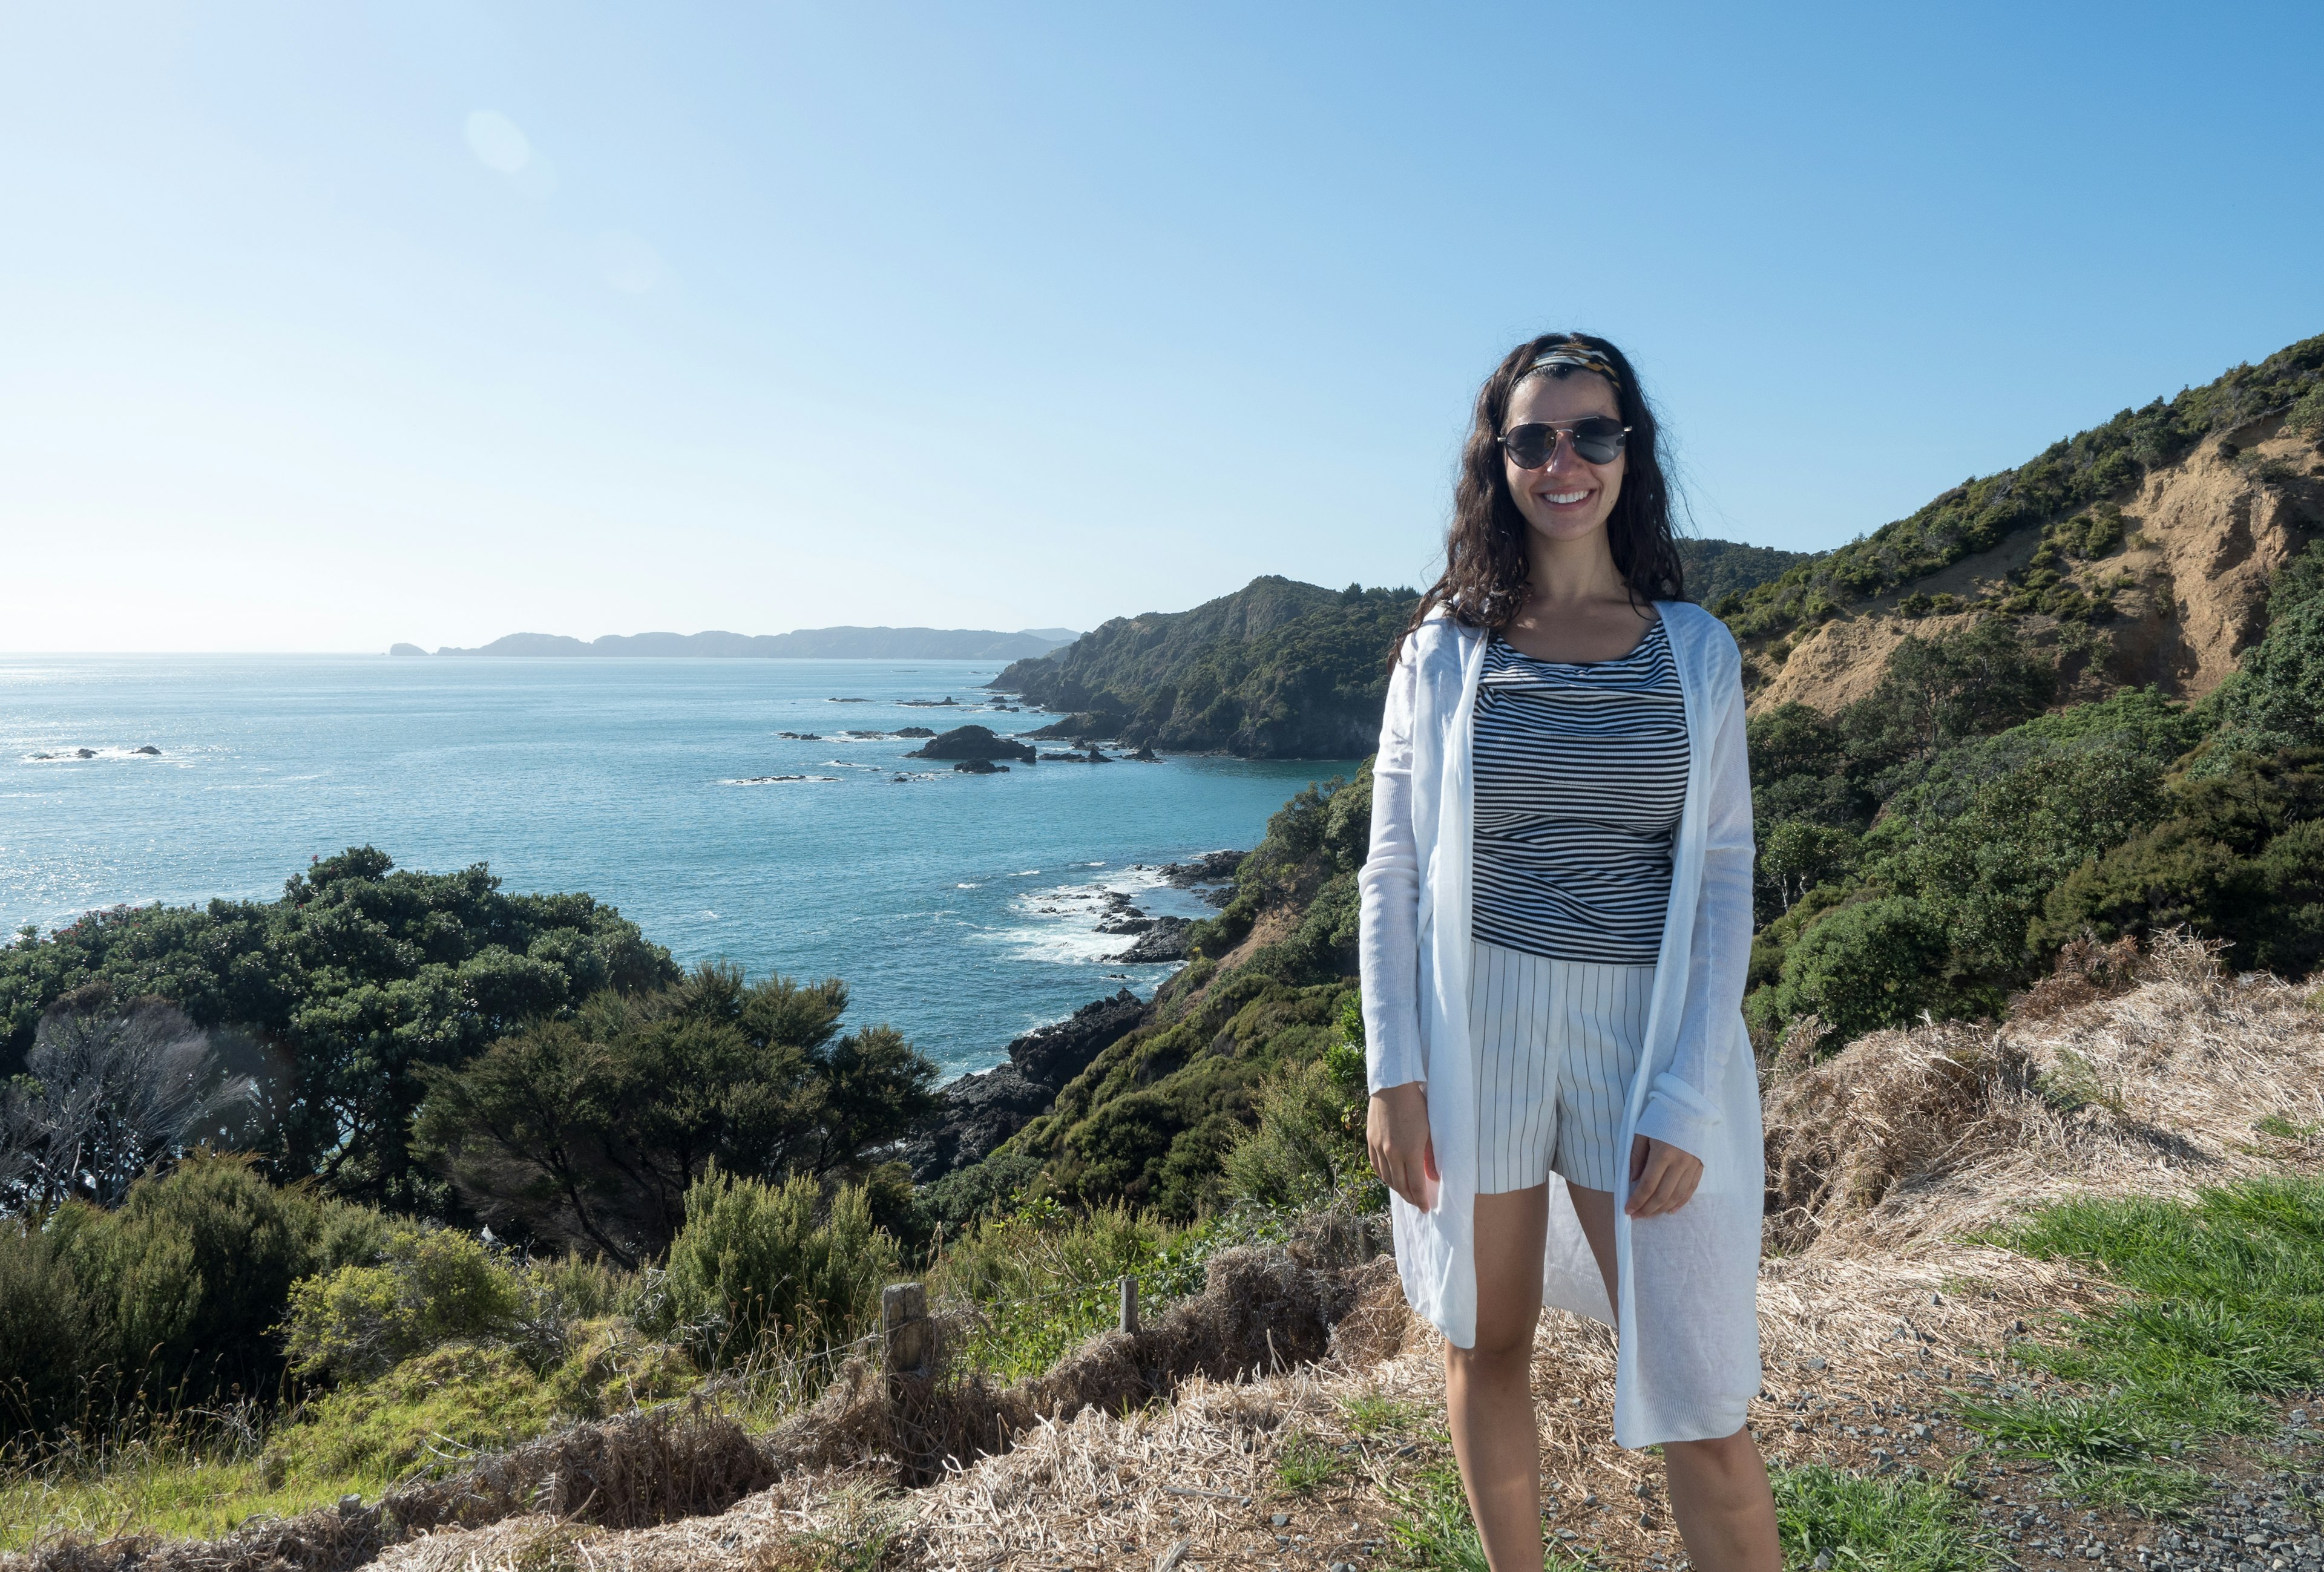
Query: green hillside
(1279, 669)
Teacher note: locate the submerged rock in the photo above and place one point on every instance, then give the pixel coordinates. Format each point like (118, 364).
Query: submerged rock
(980, 766)
(149, 750)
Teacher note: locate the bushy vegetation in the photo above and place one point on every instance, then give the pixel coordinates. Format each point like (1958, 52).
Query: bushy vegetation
(356, 979)
(2064, 493)
(170, 1300)
(589, 1131)
(1717, 569)
(757, 1263)
(1930, 847)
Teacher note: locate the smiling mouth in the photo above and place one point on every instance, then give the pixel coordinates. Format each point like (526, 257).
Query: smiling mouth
(1562, 498)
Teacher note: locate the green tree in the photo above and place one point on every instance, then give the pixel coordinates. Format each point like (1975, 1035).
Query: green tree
(2241, 857)
(1798, 854)
(1876, 963)
(2276, 699)
(590, 1130)
(1985, 871)
(356, 979)
(1794, 740)
(1964, 682)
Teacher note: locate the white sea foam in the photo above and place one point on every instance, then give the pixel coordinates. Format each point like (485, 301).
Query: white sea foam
(776, 780)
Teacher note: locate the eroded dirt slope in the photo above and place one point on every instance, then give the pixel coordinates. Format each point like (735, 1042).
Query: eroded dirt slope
(2203, 537)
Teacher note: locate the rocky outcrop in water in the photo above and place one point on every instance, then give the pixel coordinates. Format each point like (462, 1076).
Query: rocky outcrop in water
(1166, 939)
(981, 1111)
(972, 742)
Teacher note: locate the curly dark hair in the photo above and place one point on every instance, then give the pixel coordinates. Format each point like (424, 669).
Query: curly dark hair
(1486, 564)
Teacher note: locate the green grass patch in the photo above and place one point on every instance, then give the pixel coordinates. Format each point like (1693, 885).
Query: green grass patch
(2222, 1304)
(1373, 1414)
(430, 1414)
(1434, 1528)
(165, 1483)
(1302, 1462)
(1896, 1524)
(1043, 1278)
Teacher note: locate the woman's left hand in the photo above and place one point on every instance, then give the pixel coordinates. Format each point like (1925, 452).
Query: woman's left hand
(1662, 1177)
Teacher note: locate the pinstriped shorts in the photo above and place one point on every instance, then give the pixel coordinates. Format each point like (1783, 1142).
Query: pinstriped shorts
(1557, 1042)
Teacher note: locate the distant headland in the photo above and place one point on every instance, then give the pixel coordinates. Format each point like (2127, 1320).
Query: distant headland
(805, 644)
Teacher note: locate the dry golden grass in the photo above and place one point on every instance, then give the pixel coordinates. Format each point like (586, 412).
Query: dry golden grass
(1941, 1131)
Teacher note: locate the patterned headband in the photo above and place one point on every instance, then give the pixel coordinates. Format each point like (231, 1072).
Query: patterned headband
(1580, 357)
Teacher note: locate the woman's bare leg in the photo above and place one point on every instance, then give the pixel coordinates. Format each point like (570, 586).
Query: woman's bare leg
(1718, 1490)
(1489, 1388)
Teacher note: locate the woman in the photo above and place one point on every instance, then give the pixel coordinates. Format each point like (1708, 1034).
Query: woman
(1556, 923)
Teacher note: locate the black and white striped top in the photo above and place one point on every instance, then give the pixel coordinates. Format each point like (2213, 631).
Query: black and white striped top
(1580, 772)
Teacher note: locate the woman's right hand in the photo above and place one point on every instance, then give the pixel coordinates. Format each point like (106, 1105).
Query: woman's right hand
(1396, 1133)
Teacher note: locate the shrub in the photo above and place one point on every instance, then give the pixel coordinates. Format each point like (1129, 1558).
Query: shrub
(1876, 963)
(614, 1367)
(1985, 870)
(186, 1281)
(1309, 1143)
(2307, 416)
(754, 1264)
(435, 1287)
(2282, 691)
(979, 1190)
(45, 1328)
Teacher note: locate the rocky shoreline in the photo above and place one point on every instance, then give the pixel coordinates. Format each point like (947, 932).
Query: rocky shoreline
(980, 1111)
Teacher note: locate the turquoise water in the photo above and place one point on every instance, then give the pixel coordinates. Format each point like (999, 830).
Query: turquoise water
(959, 908)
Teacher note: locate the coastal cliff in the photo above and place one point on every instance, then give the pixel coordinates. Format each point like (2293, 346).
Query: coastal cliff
(1279, 669)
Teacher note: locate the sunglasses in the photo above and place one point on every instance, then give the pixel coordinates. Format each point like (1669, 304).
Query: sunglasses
(1598, 439)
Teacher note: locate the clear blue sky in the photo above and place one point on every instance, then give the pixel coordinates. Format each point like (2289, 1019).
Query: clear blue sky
(325, 325)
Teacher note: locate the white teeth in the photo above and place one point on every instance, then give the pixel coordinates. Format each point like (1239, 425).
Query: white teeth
(1562, 498)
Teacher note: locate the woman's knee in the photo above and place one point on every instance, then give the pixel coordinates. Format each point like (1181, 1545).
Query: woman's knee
(1724, 1458)
(1495, 1348)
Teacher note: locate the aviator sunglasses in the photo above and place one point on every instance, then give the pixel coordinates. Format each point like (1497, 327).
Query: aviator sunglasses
(1597, 439)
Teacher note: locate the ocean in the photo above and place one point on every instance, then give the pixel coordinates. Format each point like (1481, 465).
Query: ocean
(961, 909)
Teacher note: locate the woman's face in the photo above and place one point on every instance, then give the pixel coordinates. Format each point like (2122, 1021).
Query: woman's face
(1569, 497)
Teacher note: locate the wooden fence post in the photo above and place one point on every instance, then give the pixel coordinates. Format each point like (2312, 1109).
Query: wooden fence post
(1130, 1304)
(908, 1332)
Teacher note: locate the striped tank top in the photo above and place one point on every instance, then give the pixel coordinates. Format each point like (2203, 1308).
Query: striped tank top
(1581, 771)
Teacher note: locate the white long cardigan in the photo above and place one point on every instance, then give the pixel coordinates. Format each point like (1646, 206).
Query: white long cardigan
(1689, 1359)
